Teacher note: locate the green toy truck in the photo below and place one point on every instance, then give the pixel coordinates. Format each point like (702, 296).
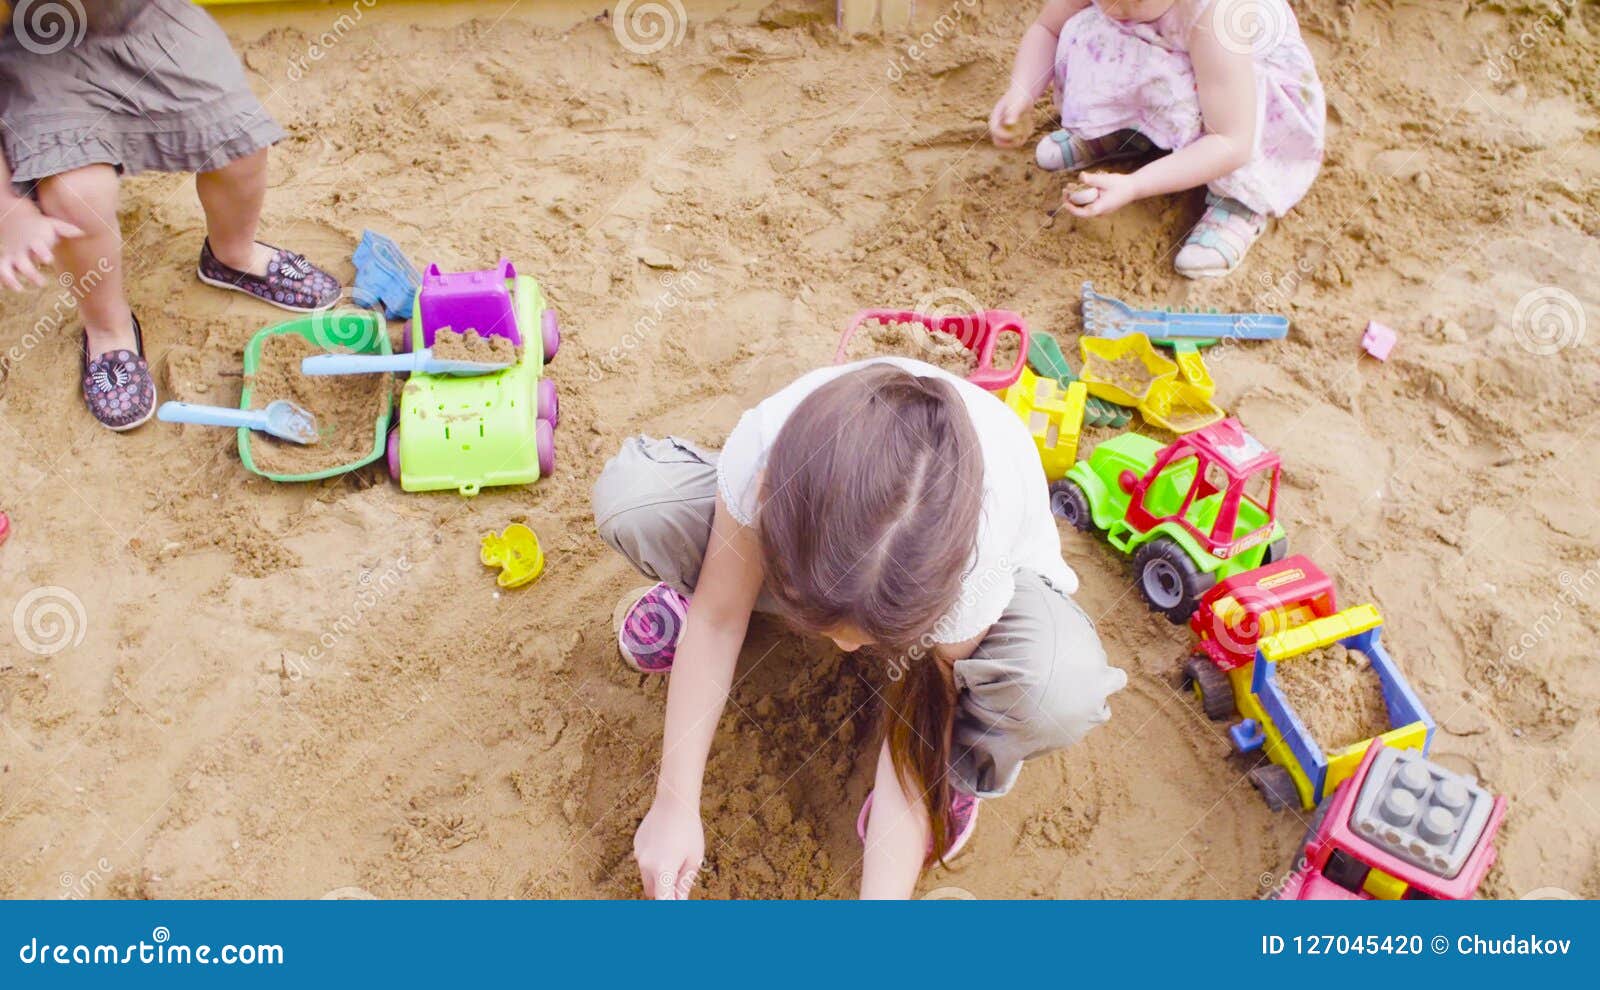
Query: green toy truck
(1194, 512)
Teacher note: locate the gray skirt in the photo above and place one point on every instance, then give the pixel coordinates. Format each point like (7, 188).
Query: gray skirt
(162, 91)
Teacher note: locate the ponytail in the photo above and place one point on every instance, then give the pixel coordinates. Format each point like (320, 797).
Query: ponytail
(918, 728)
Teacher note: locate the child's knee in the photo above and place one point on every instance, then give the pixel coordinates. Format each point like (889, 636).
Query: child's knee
(247, 170)
(1070, 678)
(656, 499)
(84, 197)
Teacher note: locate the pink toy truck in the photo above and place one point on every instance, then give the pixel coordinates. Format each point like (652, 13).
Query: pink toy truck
(1401, 828)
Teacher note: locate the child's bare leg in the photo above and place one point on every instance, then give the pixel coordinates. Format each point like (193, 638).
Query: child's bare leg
(232, 197)
(87, 198)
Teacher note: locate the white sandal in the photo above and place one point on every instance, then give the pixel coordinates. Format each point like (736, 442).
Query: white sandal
(1063, 151)
(1219, 242)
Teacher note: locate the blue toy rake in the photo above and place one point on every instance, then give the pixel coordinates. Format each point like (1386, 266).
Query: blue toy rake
(1104, 316)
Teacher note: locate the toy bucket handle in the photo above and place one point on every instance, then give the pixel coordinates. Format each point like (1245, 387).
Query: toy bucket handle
(507, 269)
(881, 315)
(1000, 321)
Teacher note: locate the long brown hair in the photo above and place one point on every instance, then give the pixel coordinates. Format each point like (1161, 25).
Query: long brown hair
(868, 521)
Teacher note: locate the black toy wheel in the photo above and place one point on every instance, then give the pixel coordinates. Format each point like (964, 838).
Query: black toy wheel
(1169, 580)
(1068, 501)
(1276, 786)
(1211, 686)
(1276, 551)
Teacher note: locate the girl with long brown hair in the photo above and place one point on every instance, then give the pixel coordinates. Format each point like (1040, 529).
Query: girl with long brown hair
(886, 504)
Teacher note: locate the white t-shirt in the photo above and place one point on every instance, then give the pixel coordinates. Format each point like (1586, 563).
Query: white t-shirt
(1015, 528)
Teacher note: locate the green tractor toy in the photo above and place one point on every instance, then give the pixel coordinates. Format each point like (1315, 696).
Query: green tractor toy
(1200, 509)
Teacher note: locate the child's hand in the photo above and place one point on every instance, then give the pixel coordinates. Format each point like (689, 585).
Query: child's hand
(1114, 191)
(27, 240)
(669, 846)
(1011, 120)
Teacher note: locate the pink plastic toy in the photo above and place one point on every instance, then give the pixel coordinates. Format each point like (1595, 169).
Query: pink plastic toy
(1379, 340)
(5, 527)
(1400, 828)
(466, 301)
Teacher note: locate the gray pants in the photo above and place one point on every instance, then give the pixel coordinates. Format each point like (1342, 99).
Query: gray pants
(1038, 682)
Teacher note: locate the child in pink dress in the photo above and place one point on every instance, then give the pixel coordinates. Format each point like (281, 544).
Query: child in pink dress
(1228, 87)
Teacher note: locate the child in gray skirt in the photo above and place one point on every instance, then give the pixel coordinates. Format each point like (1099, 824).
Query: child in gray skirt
(91, 90)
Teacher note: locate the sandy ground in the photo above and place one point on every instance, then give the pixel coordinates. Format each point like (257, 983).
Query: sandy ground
(282, 690)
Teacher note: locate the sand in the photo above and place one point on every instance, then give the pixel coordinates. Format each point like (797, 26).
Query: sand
(1006, 348)
(283, 690)
(1336, 694)
(876, 338)
(345, 407)
(1127, 373)
(474, 347)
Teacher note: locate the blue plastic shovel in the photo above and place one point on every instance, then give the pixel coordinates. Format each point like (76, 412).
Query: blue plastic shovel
(415, 361)
(282, 419)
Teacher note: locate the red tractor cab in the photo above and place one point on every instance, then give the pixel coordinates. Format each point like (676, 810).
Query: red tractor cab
(1401, 828)
(1219, 484)
(1236, 614)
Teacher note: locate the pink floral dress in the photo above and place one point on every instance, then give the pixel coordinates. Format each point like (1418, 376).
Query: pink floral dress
(1112, 76)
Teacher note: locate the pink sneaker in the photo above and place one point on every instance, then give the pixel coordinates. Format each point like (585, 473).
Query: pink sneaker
(648, 637)
(963, 814)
